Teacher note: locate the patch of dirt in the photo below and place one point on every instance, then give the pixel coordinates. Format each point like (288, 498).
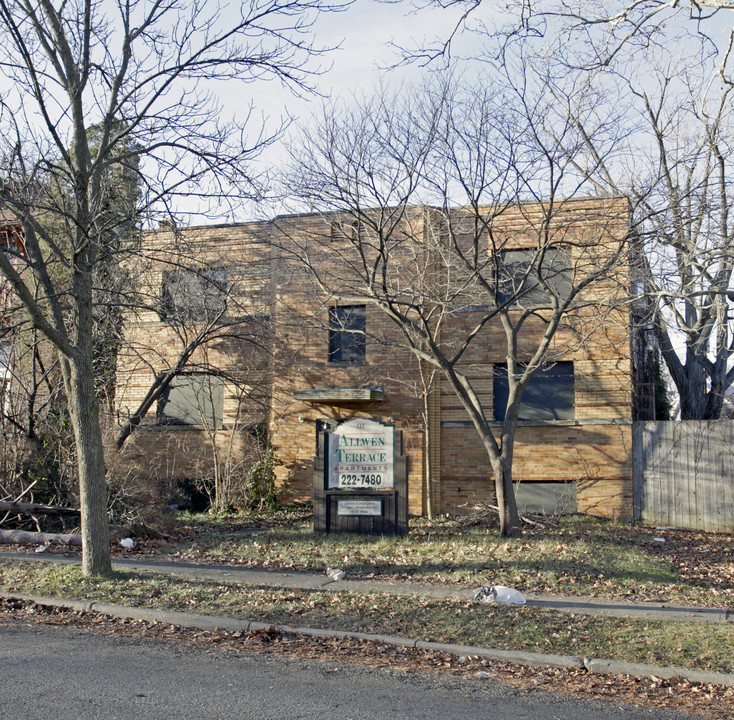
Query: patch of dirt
(712, 701)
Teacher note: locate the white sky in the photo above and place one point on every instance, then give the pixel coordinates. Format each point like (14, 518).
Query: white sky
(364, 33)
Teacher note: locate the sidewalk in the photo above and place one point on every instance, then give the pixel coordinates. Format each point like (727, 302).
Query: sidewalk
(313, 581)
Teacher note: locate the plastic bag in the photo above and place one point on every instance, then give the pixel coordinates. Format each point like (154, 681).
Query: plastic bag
(335, 573)
(498, 593)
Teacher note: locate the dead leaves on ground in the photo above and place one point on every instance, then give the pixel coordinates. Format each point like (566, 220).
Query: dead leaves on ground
(713, 701)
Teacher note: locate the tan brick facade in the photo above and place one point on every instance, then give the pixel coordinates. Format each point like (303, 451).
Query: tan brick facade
(593, 450)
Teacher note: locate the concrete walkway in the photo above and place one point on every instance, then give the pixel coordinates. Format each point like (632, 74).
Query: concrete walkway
(312, 581)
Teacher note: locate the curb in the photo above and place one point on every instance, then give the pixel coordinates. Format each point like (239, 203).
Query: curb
(210, 622)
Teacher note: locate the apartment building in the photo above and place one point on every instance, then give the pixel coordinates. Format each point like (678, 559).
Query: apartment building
(282, 328)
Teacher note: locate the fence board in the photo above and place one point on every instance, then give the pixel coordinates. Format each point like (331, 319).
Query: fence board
(684, 474)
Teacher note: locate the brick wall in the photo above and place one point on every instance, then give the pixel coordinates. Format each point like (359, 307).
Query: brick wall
(594, 450)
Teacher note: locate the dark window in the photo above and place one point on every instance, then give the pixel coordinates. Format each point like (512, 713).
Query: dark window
(347, 334)
(548, 396)
(194, 295)
(517, 280)
(193, 399)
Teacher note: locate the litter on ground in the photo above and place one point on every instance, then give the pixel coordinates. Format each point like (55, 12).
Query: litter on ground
(335, 573)
(494, 594)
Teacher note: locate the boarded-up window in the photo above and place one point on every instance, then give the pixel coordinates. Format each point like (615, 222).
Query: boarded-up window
(347, 326)
(518, 278)
(194, 295)
(547, 498)
(193, 399)
(548, 396)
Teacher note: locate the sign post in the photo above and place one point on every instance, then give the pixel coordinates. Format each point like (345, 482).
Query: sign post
(360, 479)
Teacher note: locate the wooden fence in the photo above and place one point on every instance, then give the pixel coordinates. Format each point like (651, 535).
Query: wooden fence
(684, 474)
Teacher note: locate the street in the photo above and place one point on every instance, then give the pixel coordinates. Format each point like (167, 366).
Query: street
(67, 674)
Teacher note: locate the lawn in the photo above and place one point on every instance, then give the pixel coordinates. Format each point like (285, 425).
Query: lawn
(571, 556)
(705, 646)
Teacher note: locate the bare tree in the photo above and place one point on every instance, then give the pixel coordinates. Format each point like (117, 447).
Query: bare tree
(656, 118)
(454, 227)
(135, 72)
(648, 84)
(596, 35)
(593, 34)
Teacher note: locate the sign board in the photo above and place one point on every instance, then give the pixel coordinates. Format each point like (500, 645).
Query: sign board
(361, 455)
(360, 478)
(355, 508)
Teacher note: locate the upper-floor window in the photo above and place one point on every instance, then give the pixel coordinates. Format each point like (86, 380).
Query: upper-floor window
(347, 326)
(193, 399)
(193, 295)
(517, 280)
(346, 229)
(548, 396)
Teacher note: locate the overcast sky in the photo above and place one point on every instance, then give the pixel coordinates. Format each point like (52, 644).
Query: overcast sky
(366, 35)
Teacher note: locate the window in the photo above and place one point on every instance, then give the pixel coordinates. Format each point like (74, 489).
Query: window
(513, 285)
(346, 229)
(194, 295)
(11, 240)
(193, 399)
(548, 396)
(347, 334)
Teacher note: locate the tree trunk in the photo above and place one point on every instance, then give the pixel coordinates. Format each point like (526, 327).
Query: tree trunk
(428, 459)
(704, 405)
(701, 395)
(699, 403)
(510, 524)
(84, 413)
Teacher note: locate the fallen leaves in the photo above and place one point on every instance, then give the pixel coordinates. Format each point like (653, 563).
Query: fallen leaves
(711, 701)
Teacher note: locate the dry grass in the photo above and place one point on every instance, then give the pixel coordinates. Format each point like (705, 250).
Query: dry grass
(572, 556)
(694, 645)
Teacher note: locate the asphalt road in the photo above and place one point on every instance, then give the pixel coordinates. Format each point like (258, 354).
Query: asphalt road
(62, 673)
